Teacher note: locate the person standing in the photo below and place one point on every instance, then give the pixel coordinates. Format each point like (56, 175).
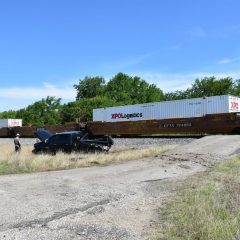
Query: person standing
(17, 143)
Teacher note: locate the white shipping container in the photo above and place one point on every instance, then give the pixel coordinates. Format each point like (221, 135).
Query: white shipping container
(10, 123)
(186, 108)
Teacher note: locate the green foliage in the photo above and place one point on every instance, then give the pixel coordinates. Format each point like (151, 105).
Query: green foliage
(177, 95)
(69, 112)
(8, 114)
(43, 112)
(236, 88)
(131, 90)
(211, 87)
(206, 87)
(83, 108)
(89, 87)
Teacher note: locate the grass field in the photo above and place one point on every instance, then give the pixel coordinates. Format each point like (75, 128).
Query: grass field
(207, 206)
(25, 161)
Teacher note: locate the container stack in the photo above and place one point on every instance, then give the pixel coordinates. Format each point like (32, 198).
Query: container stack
(10, 123)
(186, 108)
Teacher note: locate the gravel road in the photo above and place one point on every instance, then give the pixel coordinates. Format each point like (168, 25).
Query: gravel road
(113, 202)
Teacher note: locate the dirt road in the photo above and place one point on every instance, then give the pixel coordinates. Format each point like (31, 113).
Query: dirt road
(113, 202)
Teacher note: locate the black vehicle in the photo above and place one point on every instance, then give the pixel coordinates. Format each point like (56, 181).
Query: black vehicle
(70, 141)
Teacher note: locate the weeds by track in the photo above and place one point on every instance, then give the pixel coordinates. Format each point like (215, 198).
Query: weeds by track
(206, 206)
(25, 161)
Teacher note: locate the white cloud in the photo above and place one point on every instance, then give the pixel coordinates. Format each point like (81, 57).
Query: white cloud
(225, 61)
(38, 92)
(166, 81)
(19, 97)
(180, 81)
(228, 61)
(16, 98)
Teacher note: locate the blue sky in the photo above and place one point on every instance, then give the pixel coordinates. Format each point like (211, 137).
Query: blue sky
(47, 46)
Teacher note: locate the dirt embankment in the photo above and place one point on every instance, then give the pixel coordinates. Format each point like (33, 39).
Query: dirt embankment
(113, 202)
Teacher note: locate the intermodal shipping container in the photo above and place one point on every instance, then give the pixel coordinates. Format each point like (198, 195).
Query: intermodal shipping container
(10, 123)
(186, 108)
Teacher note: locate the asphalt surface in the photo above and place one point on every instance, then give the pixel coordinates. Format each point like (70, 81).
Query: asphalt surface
(113, 202)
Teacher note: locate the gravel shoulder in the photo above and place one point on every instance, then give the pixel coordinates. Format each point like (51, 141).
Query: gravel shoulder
(113, 202)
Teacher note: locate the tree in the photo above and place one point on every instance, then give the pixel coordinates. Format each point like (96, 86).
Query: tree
(89, 87)
(122, 89)
(83, 108)
(206, 87)
(154, 94)
(125, 89)
(40, 113)
(236, 88)
(8, 114)
(210, 86)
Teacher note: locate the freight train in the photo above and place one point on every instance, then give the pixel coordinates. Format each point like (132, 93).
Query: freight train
(209, 115)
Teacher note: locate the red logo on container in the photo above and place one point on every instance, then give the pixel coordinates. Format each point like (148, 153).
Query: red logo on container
(234, 105)
(131, 115)
(117, 115)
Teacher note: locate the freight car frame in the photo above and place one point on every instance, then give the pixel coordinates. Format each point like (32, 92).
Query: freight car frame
(225, 123)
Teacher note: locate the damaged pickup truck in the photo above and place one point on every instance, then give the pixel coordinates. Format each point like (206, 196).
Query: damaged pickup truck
(73, 141)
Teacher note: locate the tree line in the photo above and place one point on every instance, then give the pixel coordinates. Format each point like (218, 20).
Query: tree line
(122, 89)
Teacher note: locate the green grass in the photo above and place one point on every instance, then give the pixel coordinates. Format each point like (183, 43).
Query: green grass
(8, 168)
(206, 207)
(4, 167)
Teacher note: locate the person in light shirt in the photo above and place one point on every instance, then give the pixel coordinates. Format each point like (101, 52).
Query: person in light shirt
(17, 143)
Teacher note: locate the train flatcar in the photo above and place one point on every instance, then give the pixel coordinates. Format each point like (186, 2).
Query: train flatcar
(209, 115)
